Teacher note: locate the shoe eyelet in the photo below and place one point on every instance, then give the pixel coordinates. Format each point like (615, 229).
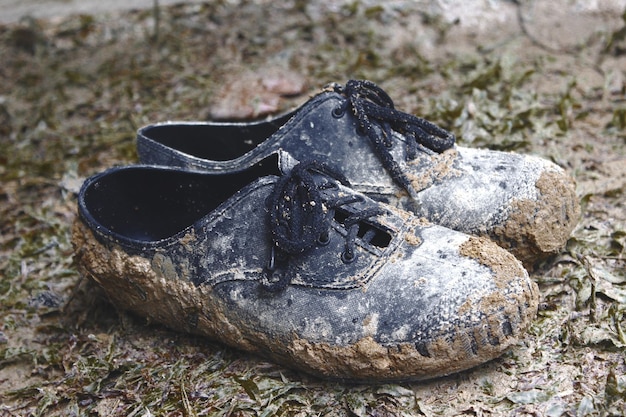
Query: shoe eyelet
(347, 258)
(338, 112)
(323, 239)
(388, 144)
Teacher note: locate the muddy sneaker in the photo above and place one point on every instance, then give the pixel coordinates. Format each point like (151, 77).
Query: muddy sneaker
(301, 269)
(526, 204)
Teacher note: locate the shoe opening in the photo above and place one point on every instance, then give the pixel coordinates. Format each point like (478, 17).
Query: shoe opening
(215, 141)
(150, 203)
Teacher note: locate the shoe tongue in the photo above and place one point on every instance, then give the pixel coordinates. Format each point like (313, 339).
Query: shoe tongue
(286, 162)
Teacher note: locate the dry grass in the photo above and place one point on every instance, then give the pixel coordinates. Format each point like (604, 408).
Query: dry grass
(74, 91)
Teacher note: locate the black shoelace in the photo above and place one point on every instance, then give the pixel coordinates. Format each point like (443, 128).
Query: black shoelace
(300, 218)
(372, 106)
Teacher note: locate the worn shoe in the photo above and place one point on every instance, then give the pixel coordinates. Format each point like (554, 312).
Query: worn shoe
(526, 204)
(302, 269)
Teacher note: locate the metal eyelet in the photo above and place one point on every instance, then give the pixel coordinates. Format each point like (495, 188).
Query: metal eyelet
(338, 112)
(323, 239)
(347, 258)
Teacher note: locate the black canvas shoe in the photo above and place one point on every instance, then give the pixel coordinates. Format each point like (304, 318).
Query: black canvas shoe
(301, 269)
(526, 204)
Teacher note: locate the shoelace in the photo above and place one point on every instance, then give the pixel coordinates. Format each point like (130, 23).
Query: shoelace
(300, 218)
(372, 106)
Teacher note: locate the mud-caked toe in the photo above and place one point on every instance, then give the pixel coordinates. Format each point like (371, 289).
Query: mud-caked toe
(526, 204)
(301, 269)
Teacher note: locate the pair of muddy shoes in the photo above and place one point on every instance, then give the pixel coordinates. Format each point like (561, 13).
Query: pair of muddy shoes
(346, 239)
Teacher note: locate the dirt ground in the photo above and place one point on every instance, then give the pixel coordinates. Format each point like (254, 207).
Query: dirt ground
(540, 77)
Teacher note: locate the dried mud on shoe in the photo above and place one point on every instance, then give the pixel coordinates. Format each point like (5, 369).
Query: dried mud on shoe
(538, 228)
(132, 284)
(364, 292)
